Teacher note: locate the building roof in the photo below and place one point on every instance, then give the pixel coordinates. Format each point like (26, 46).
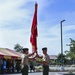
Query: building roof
(9, 54)
(53, 56)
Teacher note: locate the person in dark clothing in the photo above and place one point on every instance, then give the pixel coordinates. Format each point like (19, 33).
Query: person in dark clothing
(8, 66)
(18, 66)
(4, 66)
(12, 64)
(32, 66)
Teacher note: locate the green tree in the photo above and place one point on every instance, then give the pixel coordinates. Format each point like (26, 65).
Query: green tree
(71, 53)
(60, 57)
(18, 48)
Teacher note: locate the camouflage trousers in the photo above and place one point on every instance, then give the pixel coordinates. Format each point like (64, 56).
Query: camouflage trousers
(45, 70)
(25, 70)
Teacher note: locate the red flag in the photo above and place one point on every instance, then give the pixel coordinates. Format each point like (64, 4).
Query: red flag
(33, 37)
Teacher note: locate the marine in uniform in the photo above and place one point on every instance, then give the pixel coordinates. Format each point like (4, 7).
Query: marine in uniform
(24, 63)
(45, 61)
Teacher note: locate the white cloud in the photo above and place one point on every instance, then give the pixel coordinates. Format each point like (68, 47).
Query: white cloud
(10, 11)
(11, 14)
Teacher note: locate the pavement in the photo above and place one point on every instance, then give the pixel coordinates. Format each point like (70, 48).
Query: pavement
(31, 74)
(50, 73)
(38, 73)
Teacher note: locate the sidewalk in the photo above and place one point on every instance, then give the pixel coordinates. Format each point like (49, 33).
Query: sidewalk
(40, 73)
(37, 73)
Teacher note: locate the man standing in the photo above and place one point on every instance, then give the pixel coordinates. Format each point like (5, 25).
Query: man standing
(45, 61)
(24, 62)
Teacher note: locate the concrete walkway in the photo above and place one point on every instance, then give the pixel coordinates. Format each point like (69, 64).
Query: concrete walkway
(36, 73)
(40, 73)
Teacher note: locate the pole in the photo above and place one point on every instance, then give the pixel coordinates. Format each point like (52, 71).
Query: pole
(62, 67)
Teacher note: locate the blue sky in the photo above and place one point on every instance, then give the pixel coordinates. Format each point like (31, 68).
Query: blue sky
(16, 19)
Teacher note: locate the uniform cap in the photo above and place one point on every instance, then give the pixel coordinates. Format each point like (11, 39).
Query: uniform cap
(25, 49)
(45, 48)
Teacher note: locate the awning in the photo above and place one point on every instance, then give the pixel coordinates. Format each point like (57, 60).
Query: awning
(9, 54)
